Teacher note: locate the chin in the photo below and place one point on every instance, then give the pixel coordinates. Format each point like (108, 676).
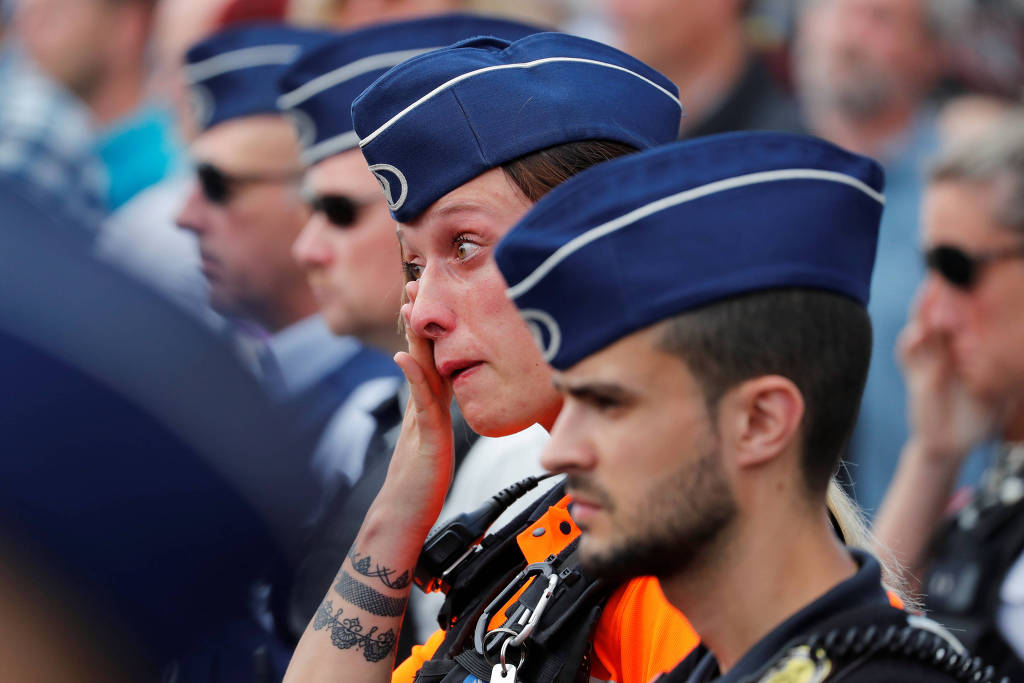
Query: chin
(490, 420)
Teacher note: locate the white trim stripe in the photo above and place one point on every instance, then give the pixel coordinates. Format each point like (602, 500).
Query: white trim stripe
(385, 60)
(330, 147)
(574, 245)
(523, 65)
(263, 55)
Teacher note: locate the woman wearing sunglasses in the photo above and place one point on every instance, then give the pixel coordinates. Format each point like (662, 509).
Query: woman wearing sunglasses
(463, 142)
(963, 355)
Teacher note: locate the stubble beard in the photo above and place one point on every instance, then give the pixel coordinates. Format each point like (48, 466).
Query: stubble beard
(682, 517)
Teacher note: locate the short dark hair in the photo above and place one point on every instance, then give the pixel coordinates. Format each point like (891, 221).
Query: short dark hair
(819, 340)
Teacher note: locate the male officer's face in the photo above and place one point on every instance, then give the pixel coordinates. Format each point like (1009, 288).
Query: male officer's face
(245, 237)
(984, 322)
(642, 455)
(352, 258)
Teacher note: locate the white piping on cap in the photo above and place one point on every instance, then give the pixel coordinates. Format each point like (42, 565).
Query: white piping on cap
(580, 241)
(330, 147)
(523, 65)
(347, 72)
(263, 55)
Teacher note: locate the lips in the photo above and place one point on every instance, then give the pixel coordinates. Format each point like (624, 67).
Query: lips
(583, 509)
(454, 369)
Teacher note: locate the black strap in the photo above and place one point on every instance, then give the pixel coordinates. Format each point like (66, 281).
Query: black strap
(559, 649)
(880, 638)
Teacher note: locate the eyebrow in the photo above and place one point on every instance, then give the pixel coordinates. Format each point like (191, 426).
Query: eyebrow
(593, 390)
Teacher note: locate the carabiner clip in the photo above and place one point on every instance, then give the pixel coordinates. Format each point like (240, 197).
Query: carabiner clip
(536, 569)
(538, 611)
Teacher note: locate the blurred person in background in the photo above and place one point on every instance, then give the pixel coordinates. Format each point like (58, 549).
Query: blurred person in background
(46, 134)
(703, 47)
(98, 49)
(350, 14)
(864, 70)
(246, 209)
(141, 236)
(351, 257)
(961, 352)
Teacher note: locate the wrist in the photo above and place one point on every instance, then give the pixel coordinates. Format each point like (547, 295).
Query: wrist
(933, 453)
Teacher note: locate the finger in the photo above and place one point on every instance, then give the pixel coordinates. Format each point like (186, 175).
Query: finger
(429, 409)
(412, 288)
(422, 349)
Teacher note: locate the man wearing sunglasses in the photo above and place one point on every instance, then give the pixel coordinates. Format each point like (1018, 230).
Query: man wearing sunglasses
(963, 355)
(246, 210)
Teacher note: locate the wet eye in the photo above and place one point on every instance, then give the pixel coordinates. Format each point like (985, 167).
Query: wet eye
(465, 250)
(412, 270)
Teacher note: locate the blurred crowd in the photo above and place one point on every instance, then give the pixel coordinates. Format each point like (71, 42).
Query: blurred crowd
(186, 415)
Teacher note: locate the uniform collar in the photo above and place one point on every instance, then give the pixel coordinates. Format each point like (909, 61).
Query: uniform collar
(863, 588)
(308, 350)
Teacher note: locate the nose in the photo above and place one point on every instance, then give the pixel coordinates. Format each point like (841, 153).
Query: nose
(190, 217)
(310, 248)
(941, 304)
(569, 449)
(432, 315)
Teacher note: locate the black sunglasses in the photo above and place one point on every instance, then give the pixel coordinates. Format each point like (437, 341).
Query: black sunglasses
(217, 185)
(339, 209)
(962, 269)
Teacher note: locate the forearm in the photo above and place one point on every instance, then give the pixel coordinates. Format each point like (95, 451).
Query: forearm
(354, 633)
(915, 503)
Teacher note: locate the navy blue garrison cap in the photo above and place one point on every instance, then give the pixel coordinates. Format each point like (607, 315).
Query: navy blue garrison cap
(234, 73)
(639, 239)
(319, 88)
(437, 121)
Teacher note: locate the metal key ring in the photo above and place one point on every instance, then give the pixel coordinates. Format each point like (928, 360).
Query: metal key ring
(504, 647)
(498, 631)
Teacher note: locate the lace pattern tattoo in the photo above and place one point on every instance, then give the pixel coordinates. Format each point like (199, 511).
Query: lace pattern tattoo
(348, 633)
(385, 574)
(361, 595)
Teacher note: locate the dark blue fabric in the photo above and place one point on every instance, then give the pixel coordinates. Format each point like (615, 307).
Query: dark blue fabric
(543, 90)
(141, 463)
(863, 588)
(804, 232)
(234, 72)
(313, 409)
(349, 63)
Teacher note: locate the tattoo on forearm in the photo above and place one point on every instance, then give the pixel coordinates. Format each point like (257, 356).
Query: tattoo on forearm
(361, 595)
(362, 565)
(348, 633)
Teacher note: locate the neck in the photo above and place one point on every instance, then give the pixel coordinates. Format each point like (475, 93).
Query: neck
(299, 305)
(388, 340)
(705, 76)
(1014, 430)
(870, 136)
(729, 610)
(118, 96)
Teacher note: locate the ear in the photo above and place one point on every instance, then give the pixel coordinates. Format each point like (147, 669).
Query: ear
(761, 418)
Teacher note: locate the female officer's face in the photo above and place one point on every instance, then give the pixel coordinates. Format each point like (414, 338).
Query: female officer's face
(481, 345)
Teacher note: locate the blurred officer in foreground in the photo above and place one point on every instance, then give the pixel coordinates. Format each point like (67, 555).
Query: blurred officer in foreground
(704, 307)
(962, 355)
(352, 261)
(143, 470)
(246, 209)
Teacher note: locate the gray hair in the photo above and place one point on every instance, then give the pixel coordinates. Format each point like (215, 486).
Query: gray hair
(994, 157)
